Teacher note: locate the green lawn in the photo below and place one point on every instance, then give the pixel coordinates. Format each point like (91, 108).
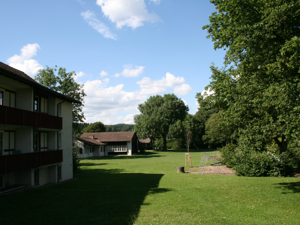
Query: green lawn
(145, 189)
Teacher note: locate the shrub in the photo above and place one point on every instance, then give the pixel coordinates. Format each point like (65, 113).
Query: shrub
(265, 163)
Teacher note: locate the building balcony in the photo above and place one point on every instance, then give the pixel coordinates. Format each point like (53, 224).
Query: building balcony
(24, 161)
(20, 117)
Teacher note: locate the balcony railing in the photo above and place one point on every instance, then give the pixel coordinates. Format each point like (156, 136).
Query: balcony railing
(24, 161)
(19, 117)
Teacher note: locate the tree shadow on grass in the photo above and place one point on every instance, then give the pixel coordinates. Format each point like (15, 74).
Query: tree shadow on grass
(97, 196)
(144, 155)
(289, 187)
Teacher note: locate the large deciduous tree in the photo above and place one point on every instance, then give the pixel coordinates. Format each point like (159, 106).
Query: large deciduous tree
(157, 115)
(259, 90)
(94, 128)
(64, 83)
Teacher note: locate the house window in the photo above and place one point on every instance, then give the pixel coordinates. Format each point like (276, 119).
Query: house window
(36, 177)
(91, 149)
(36, 142)
(9, 141)
(40, 104)
(1, 97)
(80, 151)
(44, 141)
(36, 104)
(59, 172)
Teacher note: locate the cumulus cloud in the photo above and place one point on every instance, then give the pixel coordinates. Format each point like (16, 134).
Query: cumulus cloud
(127, 12)
(182, 89)
(131, 72)
(153, 87)
(103, 73)
(100, 27)
(103, 103)
(106, 80)
(79, 74)
(157, 2)
(24, 62)
(207, 92)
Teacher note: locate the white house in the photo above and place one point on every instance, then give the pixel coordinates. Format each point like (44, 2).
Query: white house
(106, 143)
(35, 131)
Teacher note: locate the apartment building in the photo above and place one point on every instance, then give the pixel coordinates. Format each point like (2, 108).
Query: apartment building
(35, 131)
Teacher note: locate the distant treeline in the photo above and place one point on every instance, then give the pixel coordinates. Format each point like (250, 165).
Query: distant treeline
(78, 128)
(119, 127)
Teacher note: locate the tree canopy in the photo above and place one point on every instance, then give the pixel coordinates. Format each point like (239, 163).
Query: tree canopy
(94, 128)
(157, 114)
(64, 83)
(259, 86)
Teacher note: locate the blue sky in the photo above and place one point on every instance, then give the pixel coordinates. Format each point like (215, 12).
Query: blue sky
(123, 51)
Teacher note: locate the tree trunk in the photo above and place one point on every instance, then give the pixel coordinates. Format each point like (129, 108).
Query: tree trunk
(180, 169)
(165, 143)
(282, 144)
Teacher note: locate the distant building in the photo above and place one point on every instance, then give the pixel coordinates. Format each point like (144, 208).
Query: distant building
(35, 131)
(106, 143)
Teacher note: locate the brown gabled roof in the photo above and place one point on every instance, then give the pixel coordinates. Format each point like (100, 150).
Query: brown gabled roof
(109, 136)
(90, 141)
(146, 141)
(22, 77)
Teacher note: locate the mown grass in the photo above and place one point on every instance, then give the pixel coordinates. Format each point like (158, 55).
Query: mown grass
(145, 189)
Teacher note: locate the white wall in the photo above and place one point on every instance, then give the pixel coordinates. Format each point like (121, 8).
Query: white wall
(66, 137)
(129, 147)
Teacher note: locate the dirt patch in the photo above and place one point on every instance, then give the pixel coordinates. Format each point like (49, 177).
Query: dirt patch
(212, 170)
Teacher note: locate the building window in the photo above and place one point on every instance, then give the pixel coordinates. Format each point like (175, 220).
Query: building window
(36, 142)
(91, 149)
(40, 104)
(1, 97)
(9, 98)
(9, 141)
(44, 141)
(59, 172)
(80, 151)
(36, 177)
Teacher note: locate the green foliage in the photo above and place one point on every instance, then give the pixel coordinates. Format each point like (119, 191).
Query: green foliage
(199, 120)
(216, 133)
(76, 161)
(119, 127)
(256, 163)
(259, 87)
(64, 83)
(94, 128)
(157, 115)
(78, 128)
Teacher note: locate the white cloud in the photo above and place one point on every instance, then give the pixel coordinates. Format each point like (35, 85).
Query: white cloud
(182, 89)
(131, 13)
(157, 2)
(153, 87)
(131, 72)
(100, 27)
(79, 74)
(207, 92)
(185, 102)
(103, 73)
(106, 80)
(24, 62)
(103, 103)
